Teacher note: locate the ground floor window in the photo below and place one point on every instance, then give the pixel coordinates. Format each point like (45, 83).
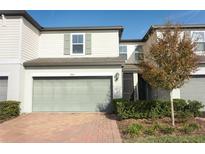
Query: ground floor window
(3, 88)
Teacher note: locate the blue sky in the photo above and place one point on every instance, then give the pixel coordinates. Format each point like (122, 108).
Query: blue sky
(135, 23)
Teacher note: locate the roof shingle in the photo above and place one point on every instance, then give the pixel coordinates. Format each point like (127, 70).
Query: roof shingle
(40, 62)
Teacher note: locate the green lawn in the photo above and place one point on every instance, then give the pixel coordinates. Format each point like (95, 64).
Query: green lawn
(168, 139)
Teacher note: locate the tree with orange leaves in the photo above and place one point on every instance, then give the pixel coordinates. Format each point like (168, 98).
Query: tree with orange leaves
(170, 61)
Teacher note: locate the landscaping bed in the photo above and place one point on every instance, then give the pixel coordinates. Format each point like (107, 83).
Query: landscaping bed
(161, 131)
(150, 122)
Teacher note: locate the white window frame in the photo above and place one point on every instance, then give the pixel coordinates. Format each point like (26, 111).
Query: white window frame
(198, 41)
(71, 44)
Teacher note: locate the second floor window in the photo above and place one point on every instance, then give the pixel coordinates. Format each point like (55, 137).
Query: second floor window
(139, 53)
(199, 39)
(77, 43)
(123, 51)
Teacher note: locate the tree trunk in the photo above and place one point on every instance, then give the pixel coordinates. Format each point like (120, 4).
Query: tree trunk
(172, 108)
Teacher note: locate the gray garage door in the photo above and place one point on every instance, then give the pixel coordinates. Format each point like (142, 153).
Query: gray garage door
(72, 94)
(194, 89)
(3, 88)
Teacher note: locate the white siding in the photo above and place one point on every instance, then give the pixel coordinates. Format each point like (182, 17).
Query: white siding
(10, 39)
(13, 72)
(104, 44)
(30, 41)
(200, 71)
(131, 53)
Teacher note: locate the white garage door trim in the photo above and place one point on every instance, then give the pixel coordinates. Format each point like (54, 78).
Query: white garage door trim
(75, 78)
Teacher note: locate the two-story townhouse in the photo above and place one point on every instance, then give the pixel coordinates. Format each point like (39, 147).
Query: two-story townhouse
(58, 69)
(80, 69)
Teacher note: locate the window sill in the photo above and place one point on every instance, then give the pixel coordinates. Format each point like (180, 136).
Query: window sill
(77, 54)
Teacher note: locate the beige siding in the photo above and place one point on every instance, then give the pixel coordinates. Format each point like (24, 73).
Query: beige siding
(131, 47)
(10, 38)
(152, 38)
(51, 45)
(30, 41)
(104, 44)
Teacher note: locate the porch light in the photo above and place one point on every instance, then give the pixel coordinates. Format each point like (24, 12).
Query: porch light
(116, 76)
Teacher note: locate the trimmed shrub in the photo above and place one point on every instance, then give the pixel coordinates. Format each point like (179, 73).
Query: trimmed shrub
(188, 107)
(180, 105)
(134, 129)
(142, 109)
(115, 101)
(9, 109)
(156, 109)
(195, 107)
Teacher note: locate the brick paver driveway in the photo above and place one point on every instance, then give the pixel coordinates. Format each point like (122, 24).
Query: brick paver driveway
(60, 127)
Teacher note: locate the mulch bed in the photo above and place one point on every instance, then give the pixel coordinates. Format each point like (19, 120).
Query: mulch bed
(123, 124)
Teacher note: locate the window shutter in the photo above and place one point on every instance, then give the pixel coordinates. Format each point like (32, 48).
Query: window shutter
(88, 44)
(67, 44)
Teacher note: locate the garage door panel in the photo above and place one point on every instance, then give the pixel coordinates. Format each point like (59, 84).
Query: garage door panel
(71, 94)
(194, 89)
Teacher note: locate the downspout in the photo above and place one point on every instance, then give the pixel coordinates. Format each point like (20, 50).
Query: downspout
(3, 20)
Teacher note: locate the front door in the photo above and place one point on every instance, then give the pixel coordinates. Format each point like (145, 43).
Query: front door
(128, 88)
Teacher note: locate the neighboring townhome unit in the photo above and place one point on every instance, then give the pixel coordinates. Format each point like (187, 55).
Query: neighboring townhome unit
(194, 88)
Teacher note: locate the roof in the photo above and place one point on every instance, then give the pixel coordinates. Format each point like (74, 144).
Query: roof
(185, 26)
(154, 27)
(40, 28)
(82, 28)
(130, 40)
(92, 61)
(130, 68)
(21, 13)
